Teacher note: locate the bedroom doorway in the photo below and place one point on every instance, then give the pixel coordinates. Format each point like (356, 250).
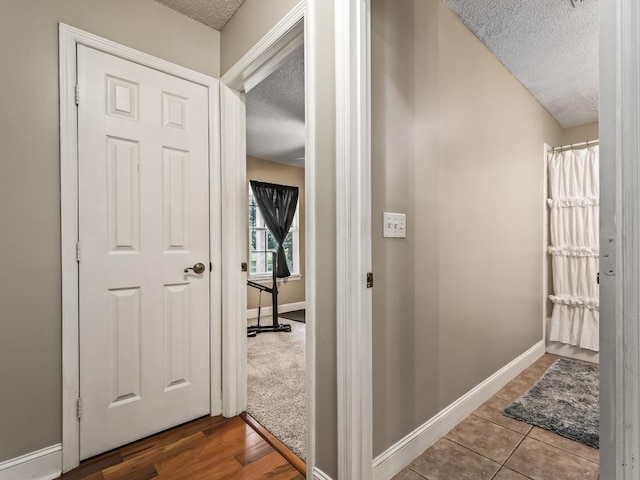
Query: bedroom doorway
(268, 368)
(276, 328)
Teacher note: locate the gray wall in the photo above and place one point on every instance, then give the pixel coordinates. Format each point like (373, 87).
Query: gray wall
(457, 145)
(30, 291)
(580, 133)
(325, 254)
(247, 26)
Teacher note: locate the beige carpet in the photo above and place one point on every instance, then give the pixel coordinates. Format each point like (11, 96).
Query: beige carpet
(277, 384)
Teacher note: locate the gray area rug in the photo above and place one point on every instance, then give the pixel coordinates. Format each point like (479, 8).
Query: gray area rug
(565, 401)
(297, 315)
(276, 385)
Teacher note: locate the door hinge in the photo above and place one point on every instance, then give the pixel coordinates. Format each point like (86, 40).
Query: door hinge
(369, 279)
(77, 94)
(210, 267)
(79, 408)
(78, 252)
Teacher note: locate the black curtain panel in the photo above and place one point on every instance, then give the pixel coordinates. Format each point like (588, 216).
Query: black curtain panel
(277, 204)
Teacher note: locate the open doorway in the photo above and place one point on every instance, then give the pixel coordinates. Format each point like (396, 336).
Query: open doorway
(276, 328)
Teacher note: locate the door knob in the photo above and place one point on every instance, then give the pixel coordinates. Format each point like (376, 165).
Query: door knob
(197, 268)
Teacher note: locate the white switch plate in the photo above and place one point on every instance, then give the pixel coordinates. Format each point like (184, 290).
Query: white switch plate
(394, 225)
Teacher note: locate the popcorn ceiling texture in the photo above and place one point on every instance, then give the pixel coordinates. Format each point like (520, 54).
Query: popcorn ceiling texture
(548, 45)
(275, 114)
(213, 13)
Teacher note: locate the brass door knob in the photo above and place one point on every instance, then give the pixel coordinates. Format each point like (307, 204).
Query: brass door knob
(197, 268)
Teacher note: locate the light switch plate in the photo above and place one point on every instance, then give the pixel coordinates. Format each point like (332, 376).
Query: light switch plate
(394, 225)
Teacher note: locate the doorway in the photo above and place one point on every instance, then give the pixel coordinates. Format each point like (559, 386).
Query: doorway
(276, 386)
(262, 61)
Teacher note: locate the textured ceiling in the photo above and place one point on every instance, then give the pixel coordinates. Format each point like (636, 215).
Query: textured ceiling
(548, 45)
(213, 13)
(275, 114)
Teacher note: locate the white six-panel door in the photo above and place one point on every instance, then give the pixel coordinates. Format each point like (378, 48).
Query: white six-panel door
(143, 218)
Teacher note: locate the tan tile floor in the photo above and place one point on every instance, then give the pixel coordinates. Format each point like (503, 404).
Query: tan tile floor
(489, 446)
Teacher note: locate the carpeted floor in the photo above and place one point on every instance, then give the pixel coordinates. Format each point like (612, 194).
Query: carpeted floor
(565, 401)
(277, 385)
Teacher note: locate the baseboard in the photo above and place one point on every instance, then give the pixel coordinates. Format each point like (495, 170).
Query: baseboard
(266, 312)
(398, 456)
(320, 475)
(45, 464)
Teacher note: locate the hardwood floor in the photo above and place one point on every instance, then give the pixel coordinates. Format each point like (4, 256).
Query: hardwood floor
(211, 448)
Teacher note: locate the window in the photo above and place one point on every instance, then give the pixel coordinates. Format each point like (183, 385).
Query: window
(262, 244)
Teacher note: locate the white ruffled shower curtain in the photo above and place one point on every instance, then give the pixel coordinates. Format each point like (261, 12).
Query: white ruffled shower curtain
(575, 248)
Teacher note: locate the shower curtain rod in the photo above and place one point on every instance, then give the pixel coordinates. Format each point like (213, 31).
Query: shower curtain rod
(573, 145)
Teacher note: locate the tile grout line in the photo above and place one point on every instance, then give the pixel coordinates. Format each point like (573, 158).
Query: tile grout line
(514, 451)
(504, 426)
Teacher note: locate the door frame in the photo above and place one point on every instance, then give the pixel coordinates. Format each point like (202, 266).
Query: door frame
(619, 240)
(259, 62)
(353, 238)
(354, 319)
(69, 38)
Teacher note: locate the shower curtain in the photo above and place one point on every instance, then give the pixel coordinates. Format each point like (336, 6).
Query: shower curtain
(574, 221)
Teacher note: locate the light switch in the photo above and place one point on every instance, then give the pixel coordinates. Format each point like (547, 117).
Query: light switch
(394, 225)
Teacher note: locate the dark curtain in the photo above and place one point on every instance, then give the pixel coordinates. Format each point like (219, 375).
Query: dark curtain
(277, 204)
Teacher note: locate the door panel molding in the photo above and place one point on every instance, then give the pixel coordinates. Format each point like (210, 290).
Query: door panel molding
(69, 38)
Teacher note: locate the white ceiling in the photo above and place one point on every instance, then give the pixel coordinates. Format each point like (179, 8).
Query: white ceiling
(213, 13)
(275, 114)
(550, 46)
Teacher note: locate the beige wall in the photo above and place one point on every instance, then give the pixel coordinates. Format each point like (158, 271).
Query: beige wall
(580, 133)
(289, 291)
(457, 145)
(247, 26)
(322, 66)
(30, 291)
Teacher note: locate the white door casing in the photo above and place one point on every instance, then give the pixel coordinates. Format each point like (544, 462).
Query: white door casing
(143, 183)
(235, 220)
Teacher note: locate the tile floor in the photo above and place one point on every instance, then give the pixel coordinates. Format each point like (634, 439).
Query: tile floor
(489, 446)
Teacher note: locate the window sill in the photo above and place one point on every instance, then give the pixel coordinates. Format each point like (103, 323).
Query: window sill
(268, 279)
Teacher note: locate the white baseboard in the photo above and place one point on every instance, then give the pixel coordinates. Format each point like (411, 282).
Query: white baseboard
(45, 464)
(398, 456)
(266, 312)
(320, 475)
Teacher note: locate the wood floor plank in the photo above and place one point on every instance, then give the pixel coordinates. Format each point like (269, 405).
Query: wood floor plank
(210, 448)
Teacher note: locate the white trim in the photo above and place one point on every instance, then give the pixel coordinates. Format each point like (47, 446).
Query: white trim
(265, 312)
(545, 239)
(402, 453)
(319, 475)
(269, 53)
(262, 58)
(234, 251)
(619, 240)
(353, 236)
(310, 234)
(69, 38)
(44, 464)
